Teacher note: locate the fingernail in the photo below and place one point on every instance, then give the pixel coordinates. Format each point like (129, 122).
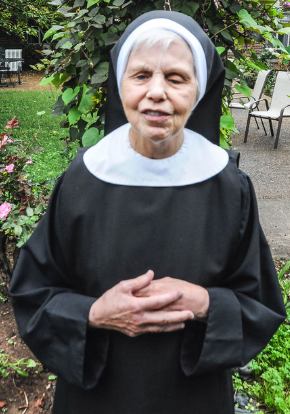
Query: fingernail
(192, 316)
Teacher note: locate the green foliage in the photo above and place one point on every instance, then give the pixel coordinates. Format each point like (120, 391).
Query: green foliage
(78, 59)
(22, 17)
(30, 162)
(272, 366)
(9, 364)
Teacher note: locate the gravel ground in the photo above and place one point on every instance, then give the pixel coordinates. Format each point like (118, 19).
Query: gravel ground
(269, 170)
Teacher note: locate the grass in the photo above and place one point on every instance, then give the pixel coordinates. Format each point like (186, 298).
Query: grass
(39, 130)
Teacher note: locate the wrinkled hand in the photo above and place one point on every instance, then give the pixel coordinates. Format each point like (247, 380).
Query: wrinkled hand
(194, 298)
(120, 309)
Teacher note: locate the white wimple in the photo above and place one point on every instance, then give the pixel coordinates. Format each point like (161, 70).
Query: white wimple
(113, 160)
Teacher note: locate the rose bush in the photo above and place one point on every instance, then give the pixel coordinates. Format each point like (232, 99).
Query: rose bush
(22, 202)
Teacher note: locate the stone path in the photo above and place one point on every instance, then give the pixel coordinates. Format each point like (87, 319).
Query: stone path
(269, 170)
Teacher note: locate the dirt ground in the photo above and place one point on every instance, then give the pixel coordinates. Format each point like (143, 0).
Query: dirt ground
(26, 395)
(29, 82)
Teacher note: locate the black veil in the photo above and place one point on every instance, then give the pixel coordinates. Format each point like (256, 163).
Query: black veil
(205, 119)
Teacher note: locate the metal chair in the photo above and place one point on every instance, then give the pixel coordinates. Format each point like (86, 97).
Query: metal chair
(4, 73)
(15, 64)
(255, 96)
(279, 107)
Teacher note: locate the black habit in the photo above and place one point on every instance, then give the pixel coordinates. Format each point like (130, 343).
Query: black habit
(97, 233)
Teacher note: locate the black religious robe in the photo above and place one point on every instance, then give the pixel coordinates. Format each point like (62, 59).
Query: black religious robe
(96, 234)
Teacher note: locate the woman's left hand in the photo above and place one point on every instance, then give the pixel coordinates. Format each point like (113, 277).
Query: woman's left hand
(194, 298)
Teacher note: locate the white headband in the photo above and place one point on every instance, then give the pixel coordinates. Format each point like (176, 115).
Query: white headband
(196, 48)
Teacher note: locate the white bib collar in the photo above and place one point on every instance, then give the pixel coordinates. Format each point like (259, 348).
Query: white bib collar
(113, 160)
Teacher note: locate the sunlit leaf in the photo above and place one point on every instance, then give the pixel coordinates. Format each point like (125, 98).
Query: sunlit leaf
(91, 137)
(74, 115)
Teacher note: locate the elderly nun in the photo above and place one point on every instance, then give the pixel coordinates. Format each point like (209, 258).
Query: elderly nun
(149, 277)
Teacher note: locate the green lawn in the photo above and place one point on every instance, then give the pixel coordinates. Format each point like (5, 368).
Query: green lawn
(41, 132)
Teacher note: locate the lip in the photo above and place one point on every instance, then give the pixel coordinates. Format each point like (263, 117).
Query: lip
(156, 118)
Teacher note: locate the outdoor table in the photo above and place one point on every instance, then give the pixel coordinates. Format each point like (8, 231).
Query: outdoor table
(9, 60)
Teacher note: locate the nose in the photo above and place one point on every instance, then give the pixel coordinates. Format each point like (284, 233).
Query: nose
(157, 88)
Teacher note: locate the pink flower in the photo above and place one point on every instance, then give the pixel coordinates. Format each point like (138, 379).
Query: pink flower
(29, 162)
(5, 209)
(12, 124)
(9, 168)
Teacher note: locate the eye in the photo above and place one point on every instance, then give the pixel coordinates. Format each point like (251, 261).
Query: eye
(141, 77)
(175, 79)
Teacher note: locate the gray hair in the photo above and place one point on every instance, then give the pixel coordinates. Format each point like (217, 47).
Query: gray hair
(162, 38)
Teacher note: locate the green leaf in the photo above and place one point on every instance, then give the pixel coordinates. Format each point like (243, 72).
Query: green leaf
(17, 230)
(87, 104)
(21, 372)
(112, 39)
(99, 19)
(230, 74)
(118, 2)
(244, 89)
(38, 209)
(67, 45)
(58, 35)
(52, 377)
(55, 2)
(102, 68)
(92, 2)
(69, 94)
(81, 13)
(59, 79)
(49, 33)
(220, 49)
(246, 20)
(97, 79)
(47, 81)
(31, 363)
(40, 113)
(74, 115)
(91, 137)
(225, 34)
(79, 3)
(227, 121)
(29, 212)
(190, 8)
(284, 270)
(285, 30)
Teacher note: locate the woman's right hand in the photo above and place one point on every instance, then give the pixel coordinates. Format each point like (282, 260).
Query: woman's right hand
(120, 310)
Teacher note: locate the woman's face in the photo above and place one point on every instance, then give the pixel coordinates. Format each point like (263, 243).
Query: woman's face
(158, 93)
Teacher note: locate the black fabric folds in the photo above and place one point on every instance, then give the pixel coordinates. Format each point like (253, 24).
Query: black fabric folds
(96, 234)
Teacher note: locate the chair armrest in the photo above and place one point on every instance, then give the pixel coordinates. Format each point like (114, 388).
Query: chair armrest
(283, 109)
(256, 102)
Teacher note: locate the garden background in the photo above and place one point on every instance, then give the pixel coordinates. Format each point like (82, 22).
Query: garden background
(37, 144)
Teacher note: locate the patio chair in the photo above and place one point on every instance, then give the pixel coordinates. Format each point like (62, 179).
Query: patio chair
(255, 96)
(15, 65)
(4, 73)
(279, 107)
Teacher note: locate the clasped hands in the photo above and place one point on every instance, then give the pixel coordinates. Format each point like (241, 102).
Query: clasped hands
(141, 305)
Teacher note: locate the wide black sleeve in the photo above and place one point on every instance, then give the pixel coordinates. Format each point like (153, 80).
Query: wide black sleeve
(246, 310)
(51, 315)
